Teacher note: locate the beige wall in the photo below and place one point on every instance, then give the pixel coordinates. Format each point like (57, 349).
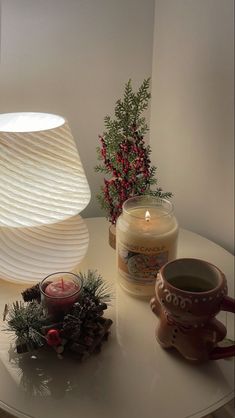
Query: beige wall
(192, 112)
(73, 57)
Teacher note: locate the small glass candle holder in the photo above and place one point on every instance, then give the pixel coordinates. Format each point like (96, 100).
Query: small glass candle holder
(147, 232)
(59, 291)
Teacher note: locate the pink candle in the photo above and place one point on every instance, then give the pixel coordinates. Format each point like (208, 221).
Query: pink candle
(61, 289)
(59, 292)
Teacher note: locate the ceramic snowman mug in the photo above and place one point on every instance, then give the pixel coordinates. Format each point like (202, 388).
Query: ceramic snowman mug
(189, 294)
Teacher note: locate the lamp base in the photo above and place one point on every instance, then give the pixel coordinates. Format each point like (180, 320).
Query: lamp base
(27, 255)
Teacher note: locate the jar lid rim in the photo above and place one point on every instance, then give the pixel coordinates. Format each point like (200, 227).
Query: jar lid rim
(147, 201)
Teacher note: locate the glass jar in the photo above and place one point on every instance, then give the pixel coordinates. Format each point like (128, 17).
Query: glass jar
(59, 291)
(147, 233)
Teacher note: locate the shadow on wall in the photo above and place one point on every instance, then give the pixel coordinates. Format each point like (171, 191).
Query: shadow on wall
(192, 113)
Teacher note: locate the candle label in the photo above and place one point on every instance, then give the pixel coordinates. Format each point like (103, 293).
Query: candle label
(141, 266)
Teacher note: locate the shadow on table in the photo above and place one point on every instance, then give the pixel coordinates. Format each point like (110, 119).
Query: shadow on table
(43, 374)
(211, 370)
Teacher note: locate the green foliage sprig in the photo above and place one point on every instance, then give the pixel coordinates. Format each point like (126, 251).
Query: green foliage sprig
(94, 286)
(26, 321)
(124, 157)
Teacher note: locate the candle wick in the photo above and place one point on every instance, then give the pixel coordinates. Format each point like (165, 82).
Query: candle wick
(62, 283)
(147, 216)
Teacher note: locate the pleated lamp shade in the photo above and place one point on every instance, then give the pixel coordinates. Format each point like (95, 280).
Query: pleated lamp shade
(41, 175)
(42, 183)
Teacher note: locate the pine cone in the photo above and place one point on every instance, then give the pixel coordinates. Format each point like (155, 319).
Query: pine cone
(32, 293)
(85, 328)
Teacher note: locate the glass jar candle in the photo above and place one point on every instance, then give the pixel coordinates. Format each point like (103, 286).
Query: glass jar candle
(59, 291)
(147, 233)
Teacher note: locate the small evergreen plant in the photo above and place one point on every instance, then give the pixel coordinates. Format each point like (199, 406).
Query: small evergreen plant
(124, 157)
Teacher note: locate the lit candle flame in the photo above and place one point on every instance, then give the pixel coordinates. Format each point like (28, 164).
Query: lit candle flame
(147, 216)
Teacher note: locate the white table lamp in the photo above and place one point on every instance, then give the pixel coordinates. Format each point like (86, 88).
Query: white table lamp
(43, 188)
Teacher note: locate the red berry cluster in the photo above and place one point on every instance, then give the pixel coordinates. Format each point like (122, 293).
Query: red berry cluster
(130, 172)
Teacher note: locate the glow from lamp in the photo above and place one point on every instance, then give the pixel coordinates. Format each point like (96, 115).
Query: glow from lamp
(43, 188)
(29, 122)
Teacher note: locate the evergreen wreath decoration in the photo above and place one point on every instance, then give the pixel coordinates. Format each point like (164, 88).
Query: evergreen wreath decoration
(81, 331)
(124, 157)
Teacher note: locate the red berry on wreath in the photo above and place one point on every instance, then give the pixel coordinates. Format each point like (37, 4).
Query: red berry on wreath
(53, 337)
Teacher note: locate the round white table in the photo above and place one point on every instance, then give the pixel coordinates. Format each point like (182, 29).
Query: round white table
(132, 376)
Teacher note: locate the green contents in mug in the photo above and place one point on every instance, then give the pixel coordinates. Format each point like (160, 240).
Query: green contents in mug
(191, 284)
